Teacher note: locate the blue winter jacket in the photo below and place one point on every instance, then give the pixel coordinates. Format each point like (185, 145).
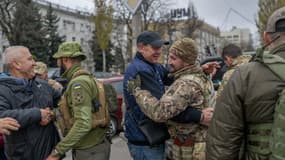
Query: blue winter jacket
(153, 78)
(23, 102)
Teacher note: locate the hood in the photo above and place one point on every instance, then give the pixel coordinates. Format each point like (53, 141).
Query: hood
(240, 60)
(12, 82)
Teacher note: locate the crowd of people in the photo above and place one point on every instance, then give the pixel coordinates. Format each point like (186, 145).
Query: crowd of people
(41, 119)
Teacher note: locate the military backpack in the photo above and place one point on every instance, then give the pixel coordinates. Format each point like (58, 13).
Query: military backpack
(271, 136)
(277, 142)
(100, 113)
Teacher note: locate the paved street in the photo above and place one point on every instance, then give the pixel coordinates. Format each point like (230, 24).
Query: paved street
(119, 150)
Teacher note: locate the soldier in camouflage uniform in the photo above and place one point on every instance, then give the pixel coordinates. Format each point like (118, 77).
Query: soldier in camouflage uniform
(192, 87)
(86, 142)
(233, 58)
(41, 71)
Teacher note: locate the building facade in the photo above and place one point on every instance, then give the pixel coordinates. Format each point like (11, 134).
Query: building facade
(74, 25)
(238, 36)
(205, 36)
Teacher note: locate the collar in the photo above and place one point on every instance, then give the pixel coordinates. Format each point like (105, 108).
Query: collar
(69, 72)
(277, 49)
(140, 56)
(196, 68)
(240, 60)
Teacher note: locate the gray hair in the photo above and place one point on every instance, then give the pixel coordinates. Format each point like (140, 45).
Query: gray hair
(10, 54)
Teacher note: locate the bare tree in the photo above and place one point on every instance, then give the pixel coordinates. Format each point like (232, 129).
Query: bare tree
(123, 17)
(7, 7)
(151, 12)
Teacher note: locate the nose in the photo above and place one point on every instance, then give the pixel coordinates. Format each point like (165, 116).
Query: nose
(33, 62)
(169, 61)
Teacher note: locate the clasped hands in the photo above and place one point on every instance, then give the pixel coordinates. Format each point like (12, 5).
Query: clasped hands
(46, 116)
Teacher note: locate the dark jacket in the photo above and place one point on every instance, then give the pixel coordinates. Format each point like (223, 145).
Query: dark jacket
(23, 102)
(153, 78)
(248, 98)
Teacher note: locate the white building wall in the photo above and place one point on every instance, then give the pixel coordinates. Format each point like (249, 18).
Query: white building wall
(76, 26)
(237, 36)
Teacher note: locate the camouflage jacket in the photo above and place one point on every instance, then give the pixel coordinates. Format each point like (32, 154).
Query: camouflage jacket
(190, 88)
(243, 59)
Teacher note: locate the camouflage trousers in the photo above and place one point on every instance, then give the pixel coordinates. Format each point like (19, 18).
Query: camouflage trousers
(195, 152)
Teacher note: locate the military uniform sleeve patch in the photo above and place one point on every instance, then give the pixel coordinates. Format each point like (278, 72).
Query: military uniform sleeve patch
(77, 94)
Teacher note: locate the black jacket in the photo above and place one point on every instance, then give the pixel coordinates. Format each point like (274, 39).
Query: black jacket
(23, 102)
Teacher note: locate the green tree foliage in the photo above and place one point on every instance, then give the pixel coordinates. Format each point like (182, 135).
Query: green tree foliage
(98, 56)
(103, 26)
(28, 29)
(53, 38)
(266, 8)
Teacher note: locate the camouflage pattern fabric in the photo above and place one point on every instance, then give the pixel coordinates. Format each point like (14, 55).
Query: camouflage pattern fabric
(185, 49)
(55, 84)
(191, 88)
(40, 68)
(70, 49)
(241, 60)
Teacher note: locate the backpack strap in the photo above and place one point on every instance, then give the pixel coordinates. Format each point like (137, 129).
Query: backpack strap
(276, 64)
(100, 115)
(80, 72)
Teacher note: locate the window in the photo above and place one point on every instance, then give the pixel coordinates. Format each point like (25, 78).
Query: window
(73, 39)
(81, 27)
(88, 28)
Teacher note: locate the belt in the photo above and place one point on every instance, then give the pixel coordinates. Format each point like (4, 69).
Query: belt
(187, 142)
(139, 143)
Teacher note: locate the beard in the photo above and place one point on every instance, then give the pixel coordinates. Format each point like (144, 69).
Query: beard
(61, 70)
(171, 69)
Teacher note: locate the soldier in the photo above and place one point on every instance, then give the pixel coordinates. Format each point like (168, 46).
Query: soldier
(41, 71)
(246, 110)
(80, 97)
(192, 87)
(233, 58)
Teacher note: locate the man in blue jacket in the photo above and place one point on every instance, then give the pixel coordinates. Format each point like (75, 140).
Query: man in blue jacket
(153, 76)
(29, 101)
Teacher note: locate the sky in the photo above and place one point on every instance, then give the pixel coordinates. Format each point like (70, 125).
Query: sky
(220, 13)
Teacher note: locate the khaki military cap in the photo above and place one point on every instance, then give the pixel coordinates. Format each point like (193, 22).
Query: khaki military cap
(69, 49)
